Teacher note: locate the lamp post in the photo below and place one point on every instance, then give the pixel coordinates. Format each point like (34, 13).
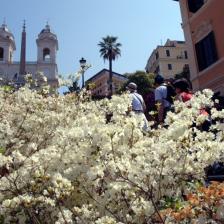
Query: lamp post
(82, 62)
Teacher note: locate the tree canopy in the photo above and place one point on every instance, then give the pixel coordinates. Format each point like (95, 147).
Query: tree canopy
(110, 50)
(143, 80)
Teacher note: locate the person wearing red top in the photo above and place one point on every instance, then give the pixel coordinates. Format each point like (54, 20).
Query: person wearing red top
(182, 90)
(184, 95)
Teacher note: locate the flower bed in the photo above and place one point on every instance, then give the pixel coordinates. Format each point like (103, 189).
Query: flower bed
(61, 161)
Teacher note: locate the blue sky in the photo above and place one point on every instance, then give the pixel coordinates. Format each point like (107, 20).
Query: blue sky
(80, 24)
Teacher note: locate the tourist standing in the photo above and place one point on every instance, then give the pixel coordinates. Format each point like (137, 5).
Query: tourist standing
(137, 105)
(161, 98)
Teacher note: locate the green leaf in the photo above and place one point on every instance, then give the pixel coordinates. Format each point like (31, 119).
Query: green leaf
(7, 88)
(2, 150)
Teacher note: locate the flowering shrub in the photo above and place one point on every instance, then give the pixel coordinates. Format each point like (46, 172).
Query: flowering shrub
(62, 161)
(203, 204)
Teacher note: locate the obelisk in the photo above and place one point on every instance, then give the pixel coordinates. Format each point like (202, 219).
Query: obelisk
(22, 67)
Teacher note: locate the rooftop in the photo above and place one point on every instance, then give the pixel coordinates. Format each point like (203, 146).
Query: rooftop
(103, 71)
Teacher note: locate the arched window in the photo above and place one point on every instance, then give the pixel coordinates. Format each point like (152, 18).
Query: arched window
(1, 54)
(46, 54)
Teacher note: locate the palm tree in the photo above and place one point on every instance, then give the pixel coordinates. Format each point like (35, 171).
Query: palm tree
(110, 50)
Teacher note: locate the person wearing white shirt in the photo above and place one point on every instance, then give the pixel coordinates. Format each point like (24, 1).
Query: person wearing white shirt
(160, 98)
(138, 105)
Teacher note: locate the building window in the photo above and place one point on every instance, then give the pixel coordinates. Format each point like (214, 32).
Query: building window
(169, 66)
(167, 53)
(10, 56)
(46, 54)
(157, 55)
(206, 52)
(195, 5)
(1, 72)
(157, 70)
(1, 54)
(185, 55)
(15, 76)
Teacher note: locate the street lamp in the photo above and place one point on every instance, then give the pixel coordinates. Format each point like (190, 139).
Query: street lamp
(82, 62)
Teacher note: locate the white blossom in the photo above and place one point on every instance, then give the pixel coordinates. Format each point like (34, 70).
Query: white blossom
(62, 160)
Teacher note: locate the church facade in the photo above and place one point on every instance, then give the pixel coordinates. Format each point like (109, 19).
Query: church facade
(47, 46)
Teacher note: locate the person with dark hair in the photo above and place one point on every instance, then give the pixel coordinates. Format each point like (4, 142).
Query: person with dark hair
(182, 90)
(184, 94)
(163, 97)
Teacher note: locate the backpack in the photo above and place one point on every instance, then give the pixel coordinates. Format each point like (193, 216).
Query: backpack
(170, 93)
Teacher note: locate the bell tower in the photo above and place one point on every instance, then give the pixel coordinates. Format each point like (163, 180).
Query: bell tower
(7, 44)
(47, 46)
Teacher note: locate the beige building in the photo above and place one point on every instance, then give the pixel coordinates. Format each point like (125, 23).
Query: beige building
(204, 34)
(47, 46)
(100, 86)
(168, 60)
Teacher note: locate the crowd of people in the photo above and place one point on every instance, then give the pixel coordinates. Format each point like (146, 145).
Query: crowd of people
(165, 93)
